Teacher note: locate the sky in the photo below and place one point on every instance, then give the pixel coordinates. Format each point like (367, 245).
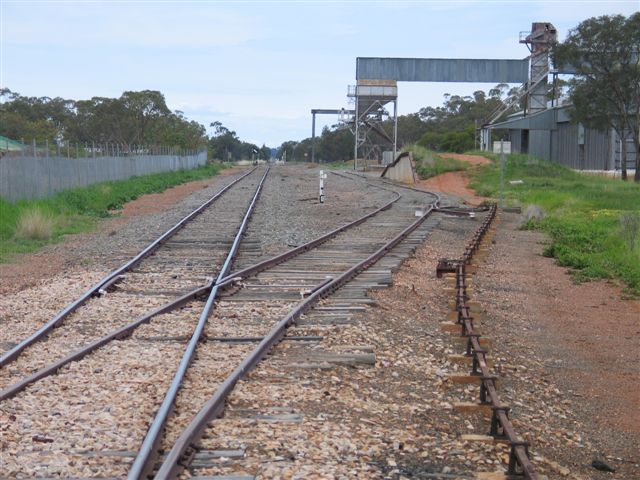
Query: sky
(259, 67)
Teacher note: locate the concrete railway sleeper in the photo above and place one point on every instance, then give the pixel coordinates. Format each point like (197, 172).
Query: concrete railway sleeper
(113, 276)
(501, 427)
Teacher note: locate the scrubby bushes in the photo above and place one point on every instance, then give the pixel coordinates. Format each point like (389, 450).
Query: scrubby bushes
(593, 222)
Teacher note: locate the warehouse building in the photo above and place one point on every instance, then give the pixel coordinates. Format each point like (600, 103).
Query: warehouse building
(551, 135)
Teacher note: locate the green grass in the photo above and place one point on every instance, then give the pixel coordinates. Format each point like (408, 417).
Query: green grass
(583, 215)
(77, 210)
(429, 164)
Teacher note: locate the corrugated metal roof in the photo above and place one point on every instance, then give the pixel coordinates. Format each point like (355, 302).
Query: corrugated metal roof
(545, 120)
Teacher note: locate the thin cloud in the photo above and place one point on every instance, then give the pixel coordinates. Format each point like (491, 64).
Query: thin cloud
(135, 25)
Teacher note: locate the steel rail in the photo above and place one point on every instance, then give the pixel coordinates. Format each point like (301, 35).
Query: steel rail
(271, 262)
(120, 333)
(11, 354)
(171, 466)
(48, 370)
(395, 184)
(388, 182)
(146, 457)
(501, 426)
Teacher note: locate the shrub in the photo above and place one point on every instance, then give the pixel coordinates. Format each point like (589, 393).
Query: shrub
(34, 224)
(593, 222)
(531, 217)
(457, 141)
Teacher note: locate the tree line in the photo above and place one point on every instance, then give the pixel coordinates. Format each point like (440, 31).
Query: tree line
(135, 118)
(131, 120)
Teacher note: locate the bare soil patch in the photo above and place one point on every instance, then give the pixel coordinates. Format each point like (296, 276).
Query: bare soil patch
(455, 183)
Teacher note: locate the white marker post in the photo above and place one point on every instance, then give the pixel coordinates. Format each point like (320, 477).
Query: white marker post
(322, 177)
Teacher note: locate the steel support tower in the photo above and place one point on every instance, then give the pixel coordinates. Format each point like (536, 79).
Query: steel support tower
(371, 135)
(539, 41)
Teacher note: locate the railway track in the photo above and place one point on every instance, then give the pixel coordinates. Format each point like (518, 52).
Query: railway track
(334, 270)
(169, 332)
(181, 259)
(501, 428)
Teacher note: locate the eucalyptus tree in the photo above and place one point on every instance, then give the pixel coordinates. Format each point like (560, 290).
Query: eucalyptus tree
(605, 91)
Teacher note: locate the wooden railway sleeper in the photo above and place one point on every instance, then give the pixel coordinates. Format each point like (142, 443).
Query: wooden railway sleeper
(519, 464)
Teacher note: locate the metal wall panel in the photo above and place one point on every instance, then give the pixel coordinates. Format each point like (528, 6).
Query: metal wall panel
(39, 177)
(593, 155)
(540, 143)
(442, 70)
(596, 149)
(545, 120)
(553, 137)
(567, 150)
(516, 141)
(377, 91)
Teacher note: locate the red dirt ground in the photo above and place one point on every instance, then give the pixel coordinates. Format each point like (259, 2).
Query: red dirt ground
(456, 182)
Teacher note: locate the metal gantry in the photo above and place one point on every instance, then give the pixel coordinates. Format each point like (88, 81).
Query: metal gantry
(371, 98)
(371, 72)
(344, 118)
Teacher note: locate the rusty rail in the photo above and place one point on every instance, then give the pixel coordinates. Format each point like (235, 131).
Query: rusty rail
(501, 426)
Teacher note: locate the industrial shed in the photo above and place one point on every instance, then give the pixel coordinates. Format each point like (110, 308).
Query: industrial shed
(549, 134)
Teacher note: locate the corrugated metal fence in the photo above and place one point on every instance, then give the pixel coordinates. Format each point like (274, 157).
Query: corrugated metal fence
(26, 177)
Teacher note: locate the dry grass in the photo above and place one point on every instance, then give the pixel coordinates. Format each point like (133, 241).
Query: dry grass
(34, 224)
